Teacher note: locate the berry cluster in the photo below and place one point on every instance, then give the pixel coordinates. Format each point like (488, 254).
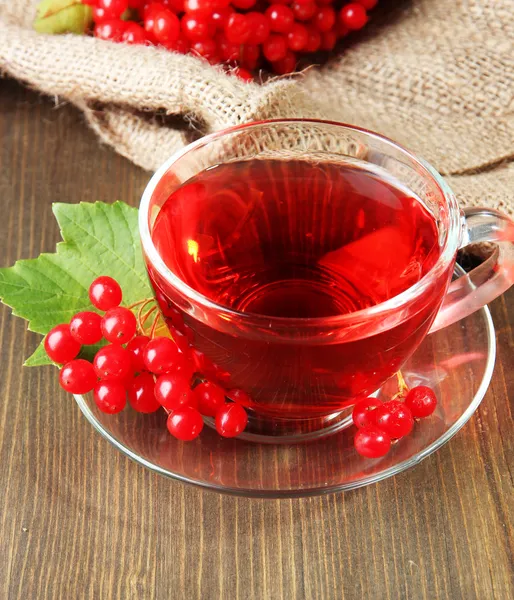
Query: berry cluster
(153, 372)
(238, 33)
(380, 423)
(161, 372)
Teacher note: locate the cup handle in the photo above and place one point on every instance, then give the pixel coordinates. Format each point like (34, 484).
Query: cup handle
(486, 282)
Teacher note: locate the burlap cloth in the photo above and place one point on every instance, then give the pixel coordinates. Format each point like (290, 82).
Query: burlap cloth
(435, 75)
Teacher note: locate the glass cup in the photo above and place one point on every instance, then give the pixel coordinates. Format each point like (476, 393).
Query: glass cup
(300, 374)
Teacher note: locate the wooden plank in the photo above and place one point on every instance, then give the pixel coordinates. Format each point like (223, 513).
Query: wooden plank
(79, 520)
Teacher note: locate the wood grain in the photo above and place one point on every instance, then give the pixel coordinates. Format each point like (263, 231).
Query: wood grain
(79, 520)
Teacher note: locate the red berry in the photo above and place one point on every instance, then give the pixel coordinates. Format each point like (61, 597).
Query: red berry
(237, 29)
(126, 382)
(112, 31)
(395, 418)
(60, 345)
(206, 49)
(119, 325)
(149, 15)
(202, 364)
(110, 396)
(314, 40)
(205, 7)
(259, 28)
(198, 359)
(210, 397)
(364, 412)
(134, 34)
(161, 354)
(177, 6)
(185, 368)
(231, 420)
(372, 442)
(328, 40)
(274, 48)
(325, 18)
(89, 2)
(202, 7)
(166, 26)
(341, 30)
(240, 397)
(105, 293)
(368, 4)
(304, 11)
(249, 56)
(149, 8)
(280, 17)
(180, 45)
(220, 374)
(135, 4)
(173, 391)
(185, 424)
(141, 394)
(228, 51)
(244, 4)
(77, 376)
(353, 16)
(100, 16)
(220, 17)
(298, 37)
(285, 65)
(112, 362)
(197, 28)
(242, 74)
(136, 348)
(85, 327)
(422, 401)
(210, 369)
(178, 337)
(113, 8)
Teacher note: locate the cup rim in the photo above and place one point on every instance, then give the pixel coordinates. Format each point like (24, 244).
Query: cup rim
(448, 250)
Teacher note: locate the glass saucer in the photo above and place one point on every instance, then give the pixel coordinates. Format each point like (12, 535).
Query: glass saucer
(457, 362)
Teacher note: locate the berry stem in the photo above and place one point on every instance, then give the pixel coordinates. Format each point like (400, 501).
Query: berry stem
(154, 325)
(143, 320)
(403, 388)
(142, 306)
(139, 302)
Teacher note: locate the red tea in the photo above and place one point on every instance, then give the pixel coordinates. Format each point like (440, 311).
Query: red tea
(298, 239)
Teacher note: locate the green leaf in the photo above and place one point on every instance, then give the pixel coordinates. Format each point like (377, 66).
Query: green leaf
(63, 16)
(47, 8)
(38, 358)
(99, 239)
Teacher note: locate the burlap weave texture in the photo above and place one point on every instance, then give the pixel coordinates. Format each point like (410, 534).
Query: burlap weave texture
(437, 76)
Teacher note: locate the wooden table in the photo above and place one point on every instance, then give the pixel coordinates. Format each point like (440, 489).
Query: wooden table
(79, 520)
